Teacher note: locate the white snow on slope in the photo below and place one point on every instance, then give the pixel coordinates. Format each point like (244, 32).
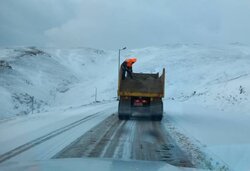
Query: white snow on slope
(210, 76)
(207, 89)
(64, 78)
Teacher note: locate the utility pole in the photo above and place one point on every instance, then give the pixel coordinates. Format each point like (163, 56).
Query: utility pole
(119, 59)
(95, 94)
(32, 104)
(119, 63)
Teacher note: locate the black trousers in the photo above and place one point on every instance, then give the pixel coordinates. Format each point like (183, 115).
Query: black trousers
(129, 72)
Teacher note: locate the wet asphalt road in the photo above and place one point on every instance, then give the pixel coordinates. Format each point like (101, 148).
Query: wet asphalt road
(136, 139)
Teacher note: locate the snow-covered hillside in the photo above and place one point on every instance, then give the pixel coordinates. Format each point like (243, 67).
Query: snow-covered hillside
(33, 80)
(209, 76)
(41, 78)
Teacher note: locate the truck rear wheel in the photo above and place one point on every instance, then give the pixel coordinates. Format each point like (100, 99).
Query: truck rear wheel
(156, 109)
(124, 109)
(156, 118)
(123, 117)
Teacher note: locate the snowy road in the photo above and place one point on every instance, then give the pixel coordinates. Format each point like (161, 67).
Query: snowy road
(94, 131)
(134, 139)
(44, 140)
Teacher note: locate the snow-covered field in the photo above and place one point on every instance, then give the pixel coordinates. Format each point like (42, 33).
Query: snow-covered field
(207, 91)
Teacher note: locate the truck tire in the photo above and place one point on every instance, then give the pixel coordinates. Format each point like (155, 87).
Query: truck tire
(124, 109)
(156, 118)
(123, 117)
(156, 110)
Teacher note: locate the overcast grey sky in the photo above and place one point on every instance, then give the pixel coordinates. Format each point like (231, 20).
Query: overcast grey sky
(111, 24)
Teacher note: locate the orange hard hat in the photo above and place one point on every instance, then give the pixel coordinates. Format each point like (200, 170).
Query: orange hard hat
(131, 60)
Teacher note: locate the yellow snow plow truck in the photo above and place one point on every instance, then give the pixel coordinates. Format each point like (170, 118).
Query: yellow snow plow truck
(141, 96)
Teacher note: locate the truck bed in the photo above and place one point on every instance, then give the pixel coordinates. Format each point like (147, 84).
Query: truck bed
(149, 85)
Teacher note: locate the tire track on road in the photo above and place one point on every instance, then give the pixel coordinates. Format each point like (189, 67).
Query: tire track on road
(132, 139)
(20, 149)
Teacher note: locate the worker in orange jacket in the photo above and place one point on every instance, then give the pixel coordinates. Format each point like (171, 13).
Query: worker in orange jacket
(126, 66)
